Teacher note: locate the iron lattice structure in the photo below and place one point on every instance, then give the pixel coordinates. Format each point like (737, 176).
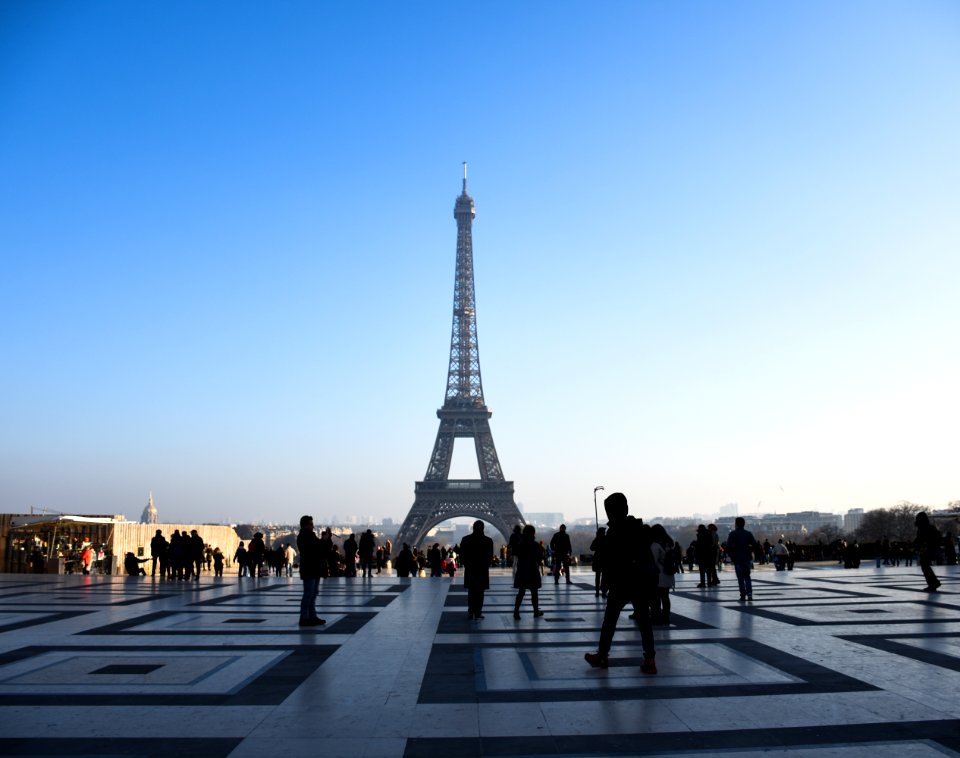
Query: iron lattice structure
(463, 415)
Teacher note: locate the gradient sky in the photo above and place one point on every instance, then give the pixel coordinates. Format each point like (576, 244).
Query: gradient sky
(717, 252)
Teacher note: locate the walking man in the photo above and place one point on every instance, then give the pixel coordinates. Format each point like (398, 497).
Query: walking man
(928, 547)
(632, 578)
(562, 549)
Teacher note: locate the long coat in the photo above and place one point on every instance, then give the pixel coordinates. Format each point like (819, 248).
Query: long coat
(476, 554)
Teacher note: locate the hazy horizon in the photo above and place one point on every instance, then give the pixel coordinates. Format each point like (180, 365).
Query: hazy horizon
(716, 253)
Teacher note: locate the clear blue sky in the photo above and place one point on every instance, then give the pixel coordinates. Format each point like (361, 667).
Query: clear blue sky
(717, 252)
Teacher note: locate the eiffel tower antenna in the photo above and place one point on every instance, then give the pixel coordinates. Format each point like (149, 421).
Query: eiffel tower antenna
(463, 415)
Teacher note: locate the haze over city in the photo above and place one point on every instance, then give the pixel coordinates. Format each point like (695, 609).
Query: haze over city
(716, 253)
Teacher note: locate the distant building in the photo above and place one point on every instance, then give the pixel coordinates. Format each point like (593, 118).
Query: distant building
(730, 509)
(551, 520)
(852, 520)
(150, 513)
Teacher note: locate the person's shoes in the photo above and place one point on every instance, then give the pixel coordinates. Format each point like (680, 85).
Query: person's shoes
(596, 660)
(701, 585)
(743, 596)
(312, 622)
(931, 589)
(750, 598)
(538, 614)
(597, 594)
(649, 666)
(478, 615)
(516, 615)
(470, 616)
(632, 617)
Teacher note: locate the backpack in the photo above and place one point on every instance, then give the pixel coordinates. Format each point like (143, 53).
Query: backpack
(669, 561)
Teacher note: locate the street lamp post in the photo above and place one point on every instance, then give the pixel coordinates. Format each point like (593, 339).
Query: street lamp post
(596, 518)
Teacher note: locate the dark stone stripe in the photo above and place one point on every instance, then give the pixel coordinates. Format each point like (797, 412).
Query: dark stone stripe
(945, 733)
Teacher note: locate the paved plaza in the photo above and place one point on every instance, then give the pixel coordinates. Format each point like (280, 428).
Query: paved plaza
(824, 662)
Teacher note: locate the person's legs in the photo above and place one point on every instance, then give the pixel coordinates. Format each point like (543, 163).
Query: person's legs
(516, 604)
(616, 601)
(926, 568)
(535, 599)
(308, 603)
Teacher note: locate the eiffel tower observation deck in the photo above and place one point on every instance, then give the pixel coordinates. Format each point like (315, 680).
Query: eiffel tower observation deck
(464, 415)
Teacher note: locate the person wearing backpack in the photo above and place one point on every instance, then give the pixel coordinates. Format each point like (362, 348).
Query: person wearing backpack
(663, 554)
(631, 576)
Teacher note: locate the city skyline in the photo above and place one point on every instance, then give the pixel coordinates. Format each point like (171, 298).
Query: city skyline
(715, 253)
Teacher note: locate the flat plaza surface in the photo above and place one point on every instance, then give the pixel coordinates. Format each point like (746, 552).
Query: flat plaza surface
(824, 662)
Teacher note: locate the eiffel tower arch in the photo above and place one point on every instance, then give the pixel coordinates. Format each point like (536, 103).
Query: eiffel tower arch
(463, 415)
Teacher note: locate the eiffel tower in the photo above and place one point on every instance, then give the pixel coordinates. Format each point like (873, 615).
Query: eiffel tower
(463, 415)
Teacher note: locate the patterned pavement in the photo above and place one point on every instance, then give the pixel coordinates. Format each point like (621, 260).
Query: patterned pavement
(824, 662)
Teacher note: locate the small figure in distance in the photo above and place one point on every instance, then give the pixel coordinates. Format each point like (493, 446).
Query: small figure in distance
(528, 555)
(741, 546)
(241, 558)
(217, 562)
(928, 547)
(311, 569)
(705, 555)
(476, 553)
(562, 549)
(633, 577)
(662, 549)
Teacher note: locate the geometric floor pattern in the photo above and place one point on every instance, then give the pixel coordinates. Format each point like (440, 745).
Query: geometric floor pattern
(825, 662)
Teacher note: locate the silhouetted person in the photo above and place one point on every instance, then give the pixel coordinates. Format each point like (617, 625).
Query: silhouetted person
(928, 546)
(705, 555)
(308, 545)
(527, 557)
(632, 578)
(661, 547)
(435, 559)
(365, 550)
(714, 580)
(562, 550)
(476, 553)
(158, 552)
(241, 559)
(217, 562)
(196, 552)
(350, 554)
(131, 565)
(513, 543)
(256, 552)
(741, 545)
(597, 547)
(406, 564)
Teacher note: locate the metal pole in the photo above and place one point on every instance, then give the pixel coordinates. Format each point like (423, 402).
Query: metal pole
(596, 518)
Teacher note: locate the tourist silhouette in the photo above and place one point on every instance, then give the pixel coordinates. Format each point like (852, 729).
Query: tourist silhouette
(311, 569)
(597, 547)
(632, 578)
(528, 556)
(476, 554)
(928, 546)
(741, 546)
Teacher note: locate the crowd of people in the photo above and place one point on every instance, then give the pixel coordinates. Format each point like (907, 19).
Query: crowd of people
(181, 558)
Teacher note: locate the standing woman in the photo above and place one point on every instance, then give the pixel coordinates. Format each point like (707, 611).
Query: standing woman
(528, 557)
(663, 555)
